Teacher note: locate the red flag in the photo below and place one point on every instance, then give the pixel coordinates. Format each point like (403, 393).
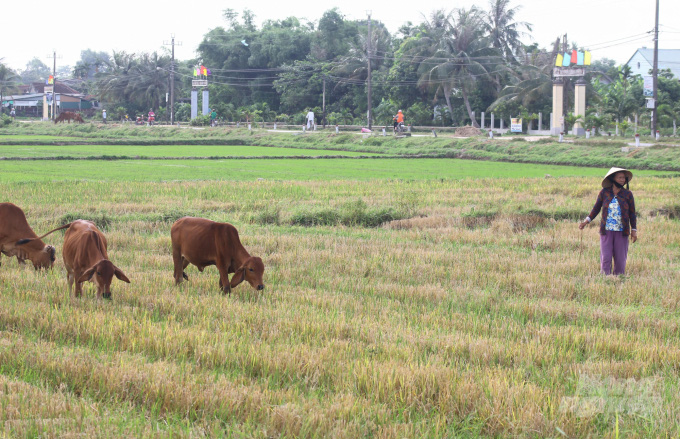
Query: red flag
(574, 57)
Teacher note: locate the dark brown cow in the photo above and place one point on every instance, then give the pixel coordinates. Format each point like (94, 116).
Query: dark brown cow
(69, 116)
(18, 239)
(86, 259)
(203, 242)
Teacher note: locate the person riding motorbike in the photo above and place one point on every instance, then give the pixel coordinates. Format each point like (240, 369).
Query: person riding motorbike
(399, 122)
(151, 117)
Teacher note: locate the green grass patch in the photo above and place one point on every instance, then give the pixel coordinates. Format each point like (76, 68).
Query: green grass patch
(281, 169)
(156, 151)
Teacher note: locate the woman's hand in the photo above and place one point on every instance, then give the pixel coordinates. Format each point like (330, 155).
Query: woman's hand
(582, 225)
(633, 235)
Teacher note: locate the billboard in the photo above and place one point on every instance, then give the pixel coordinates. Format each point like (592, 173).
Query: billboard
(648, 86)
(516, 125)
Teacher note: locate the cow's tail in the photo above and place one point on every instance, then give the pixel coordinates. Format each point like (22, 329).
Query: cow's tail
(65, 226)
(24, 241)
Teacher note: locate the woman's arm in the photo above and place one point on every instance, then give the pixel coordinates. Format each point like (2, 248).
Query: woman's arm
(593, 213)
(633, 218)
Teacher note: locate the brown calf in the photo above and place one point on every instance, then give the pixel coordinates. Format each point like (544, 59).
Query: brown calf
(203, 242)
(86, 259)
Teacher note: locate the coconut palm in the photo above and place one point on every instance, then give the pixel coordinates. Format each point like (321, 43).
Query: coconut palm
(504, 32)
(462, 55)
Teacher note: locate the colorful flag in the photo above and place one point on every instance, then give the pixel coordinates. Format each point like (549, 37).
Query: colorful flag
(579, 59)
(586, 58)
(574, 57)
(565, 61)
(559, 60)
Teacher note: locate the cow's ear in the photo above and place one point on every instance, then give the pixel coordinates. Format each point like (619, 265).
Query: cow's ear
(120, 275)
(88, 274)
(238, 277)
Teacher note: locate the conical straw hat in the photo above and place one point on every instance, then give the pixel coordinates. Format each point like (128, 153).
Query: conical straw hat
(607, 183)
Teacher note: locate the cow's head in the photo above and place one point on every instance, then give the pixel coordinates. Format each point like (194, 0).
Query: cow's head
(252, 271)
(101, 274)
(41, 255)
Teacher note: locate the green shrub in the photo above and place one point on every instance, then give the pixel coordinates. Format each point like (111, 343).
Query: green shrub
(315, 217)
(200, 121)
(100, 219)
(5, 120)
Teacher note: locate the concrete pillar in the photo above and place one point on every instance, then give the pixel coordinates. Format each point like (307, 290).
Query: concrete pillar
(540, 121)
(482, 124)
(579, 106)
(558, 100)
(194, 103)
(206, 103)
(501, 123)
(492, 121)
(551, 123)
(636, 123)
(473, 119)
(617, 127)
(45, 115)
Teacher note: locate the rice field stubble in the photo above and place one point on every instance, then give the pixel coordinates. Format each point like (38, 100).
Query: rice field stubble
(481, 313)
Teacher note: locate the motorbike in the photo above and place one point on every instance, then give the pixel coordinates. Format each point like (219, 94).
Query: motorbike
(139, 120)
(152, 118)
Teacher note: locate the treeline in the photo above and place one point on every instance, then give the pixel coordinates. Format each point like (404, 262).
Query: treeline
(439, 72)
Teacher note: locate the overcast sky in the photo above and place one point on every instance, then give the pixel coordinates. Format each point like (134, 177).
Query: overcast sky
(610, 28)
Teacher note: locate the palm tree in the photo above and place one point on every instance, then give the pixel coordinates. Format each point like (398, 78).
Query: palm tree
(530, 82)
(504, 31)
(461, 56)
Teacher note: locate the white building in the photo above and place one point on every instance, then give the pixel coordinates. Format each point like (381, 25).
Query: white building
(643, 59)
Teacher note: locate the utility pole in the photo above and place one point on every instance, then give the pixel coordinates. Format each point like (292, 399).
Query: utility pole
(655, 71)
(54, 85)
(323, 102)
(368, 47)
(172, 78)
(567, 85)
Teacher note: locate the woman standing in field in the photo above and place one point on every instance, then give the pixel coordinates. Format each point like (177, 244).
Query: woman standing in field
(618, 220)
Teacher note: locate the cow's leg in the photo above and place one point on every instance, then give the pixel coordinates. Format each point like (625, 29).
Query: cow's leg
(178, 262)
(224, 280)
(185, 264)
(70, 278)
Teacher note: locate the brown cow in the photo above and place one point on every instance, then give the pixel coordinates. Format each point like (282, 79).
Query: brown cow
(86, 259)
(203, 242)
(69, 116)
(18, 239)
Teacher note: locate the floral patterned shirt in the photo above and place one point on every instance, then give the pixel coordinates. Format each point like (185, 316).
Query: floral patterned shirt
(626, 204)
(614, 222)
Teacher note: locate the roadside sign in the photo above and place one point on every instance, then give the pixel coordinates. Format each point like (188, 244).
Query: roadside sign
(516, 125)
(648, 86)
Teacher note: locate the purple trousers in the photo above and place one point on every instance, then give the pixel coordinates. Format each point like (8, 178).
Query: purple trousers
(613, 245)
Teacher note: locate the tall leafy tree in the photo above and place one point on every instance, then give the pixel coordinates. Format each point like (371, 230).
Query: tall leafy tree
(35, 70)
(9, 80)
(462, 55)
(504, 32)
